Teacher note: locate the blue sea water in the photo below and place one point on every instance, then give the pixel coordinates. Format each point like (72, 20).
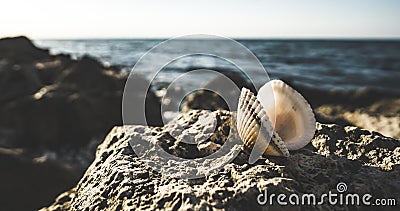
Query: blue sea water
(320, 64)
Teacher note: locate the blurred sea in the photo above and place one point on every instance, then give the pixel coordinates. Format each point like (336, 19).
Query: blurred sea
(320, 64)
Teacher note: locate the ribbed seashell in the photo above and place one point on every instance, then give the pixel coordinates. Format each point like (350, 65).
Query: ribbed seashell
(275, 121)
(255, 129)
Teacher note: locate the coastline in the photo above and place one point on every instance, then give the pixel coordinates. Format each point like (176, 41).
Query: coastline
(52, 103)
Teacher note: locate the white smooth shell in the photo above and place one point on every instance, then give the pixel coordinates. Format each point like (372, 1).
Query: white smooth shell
(291, 115)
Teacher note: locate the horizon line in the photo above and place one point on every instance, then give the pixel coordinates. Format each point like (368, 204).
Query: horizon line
(397, 38)
(388, 37)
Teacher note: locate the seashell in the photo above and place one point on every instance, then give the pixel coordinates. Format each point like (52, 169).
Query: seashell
(255, 129)
(291, 115)
(275, 121)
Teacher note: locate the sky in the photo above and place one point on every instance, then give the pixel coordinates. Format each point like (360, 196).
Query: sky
(40, 19)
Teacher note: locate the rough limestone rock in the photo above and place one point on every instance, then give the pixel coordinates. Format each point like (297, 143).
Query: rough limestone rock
(117, 179)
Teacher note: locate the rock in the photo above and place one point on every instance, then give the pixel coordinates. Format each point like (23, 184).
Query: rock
(367, 147)
(53, 101)
(362, 97)
(27, 182)
(21, 50)
(117, 179)
(50, 70)
(87, 74)
(203, 99)
(59, 115)
(17, 81)
(382, 116)
(211, 100)
(18, 75)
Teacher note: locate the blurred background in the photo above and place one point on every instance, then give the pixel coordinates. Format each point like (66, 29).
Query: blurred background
(63, 67)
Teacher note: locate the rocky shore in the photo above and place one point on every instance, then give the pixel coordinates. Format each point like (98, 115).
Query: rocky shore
(118, 180)
(55, 111)
(369, 109)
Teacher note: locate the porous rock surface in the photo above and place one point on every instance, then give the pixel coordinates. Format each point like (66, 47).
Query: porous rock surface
(119, 180)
